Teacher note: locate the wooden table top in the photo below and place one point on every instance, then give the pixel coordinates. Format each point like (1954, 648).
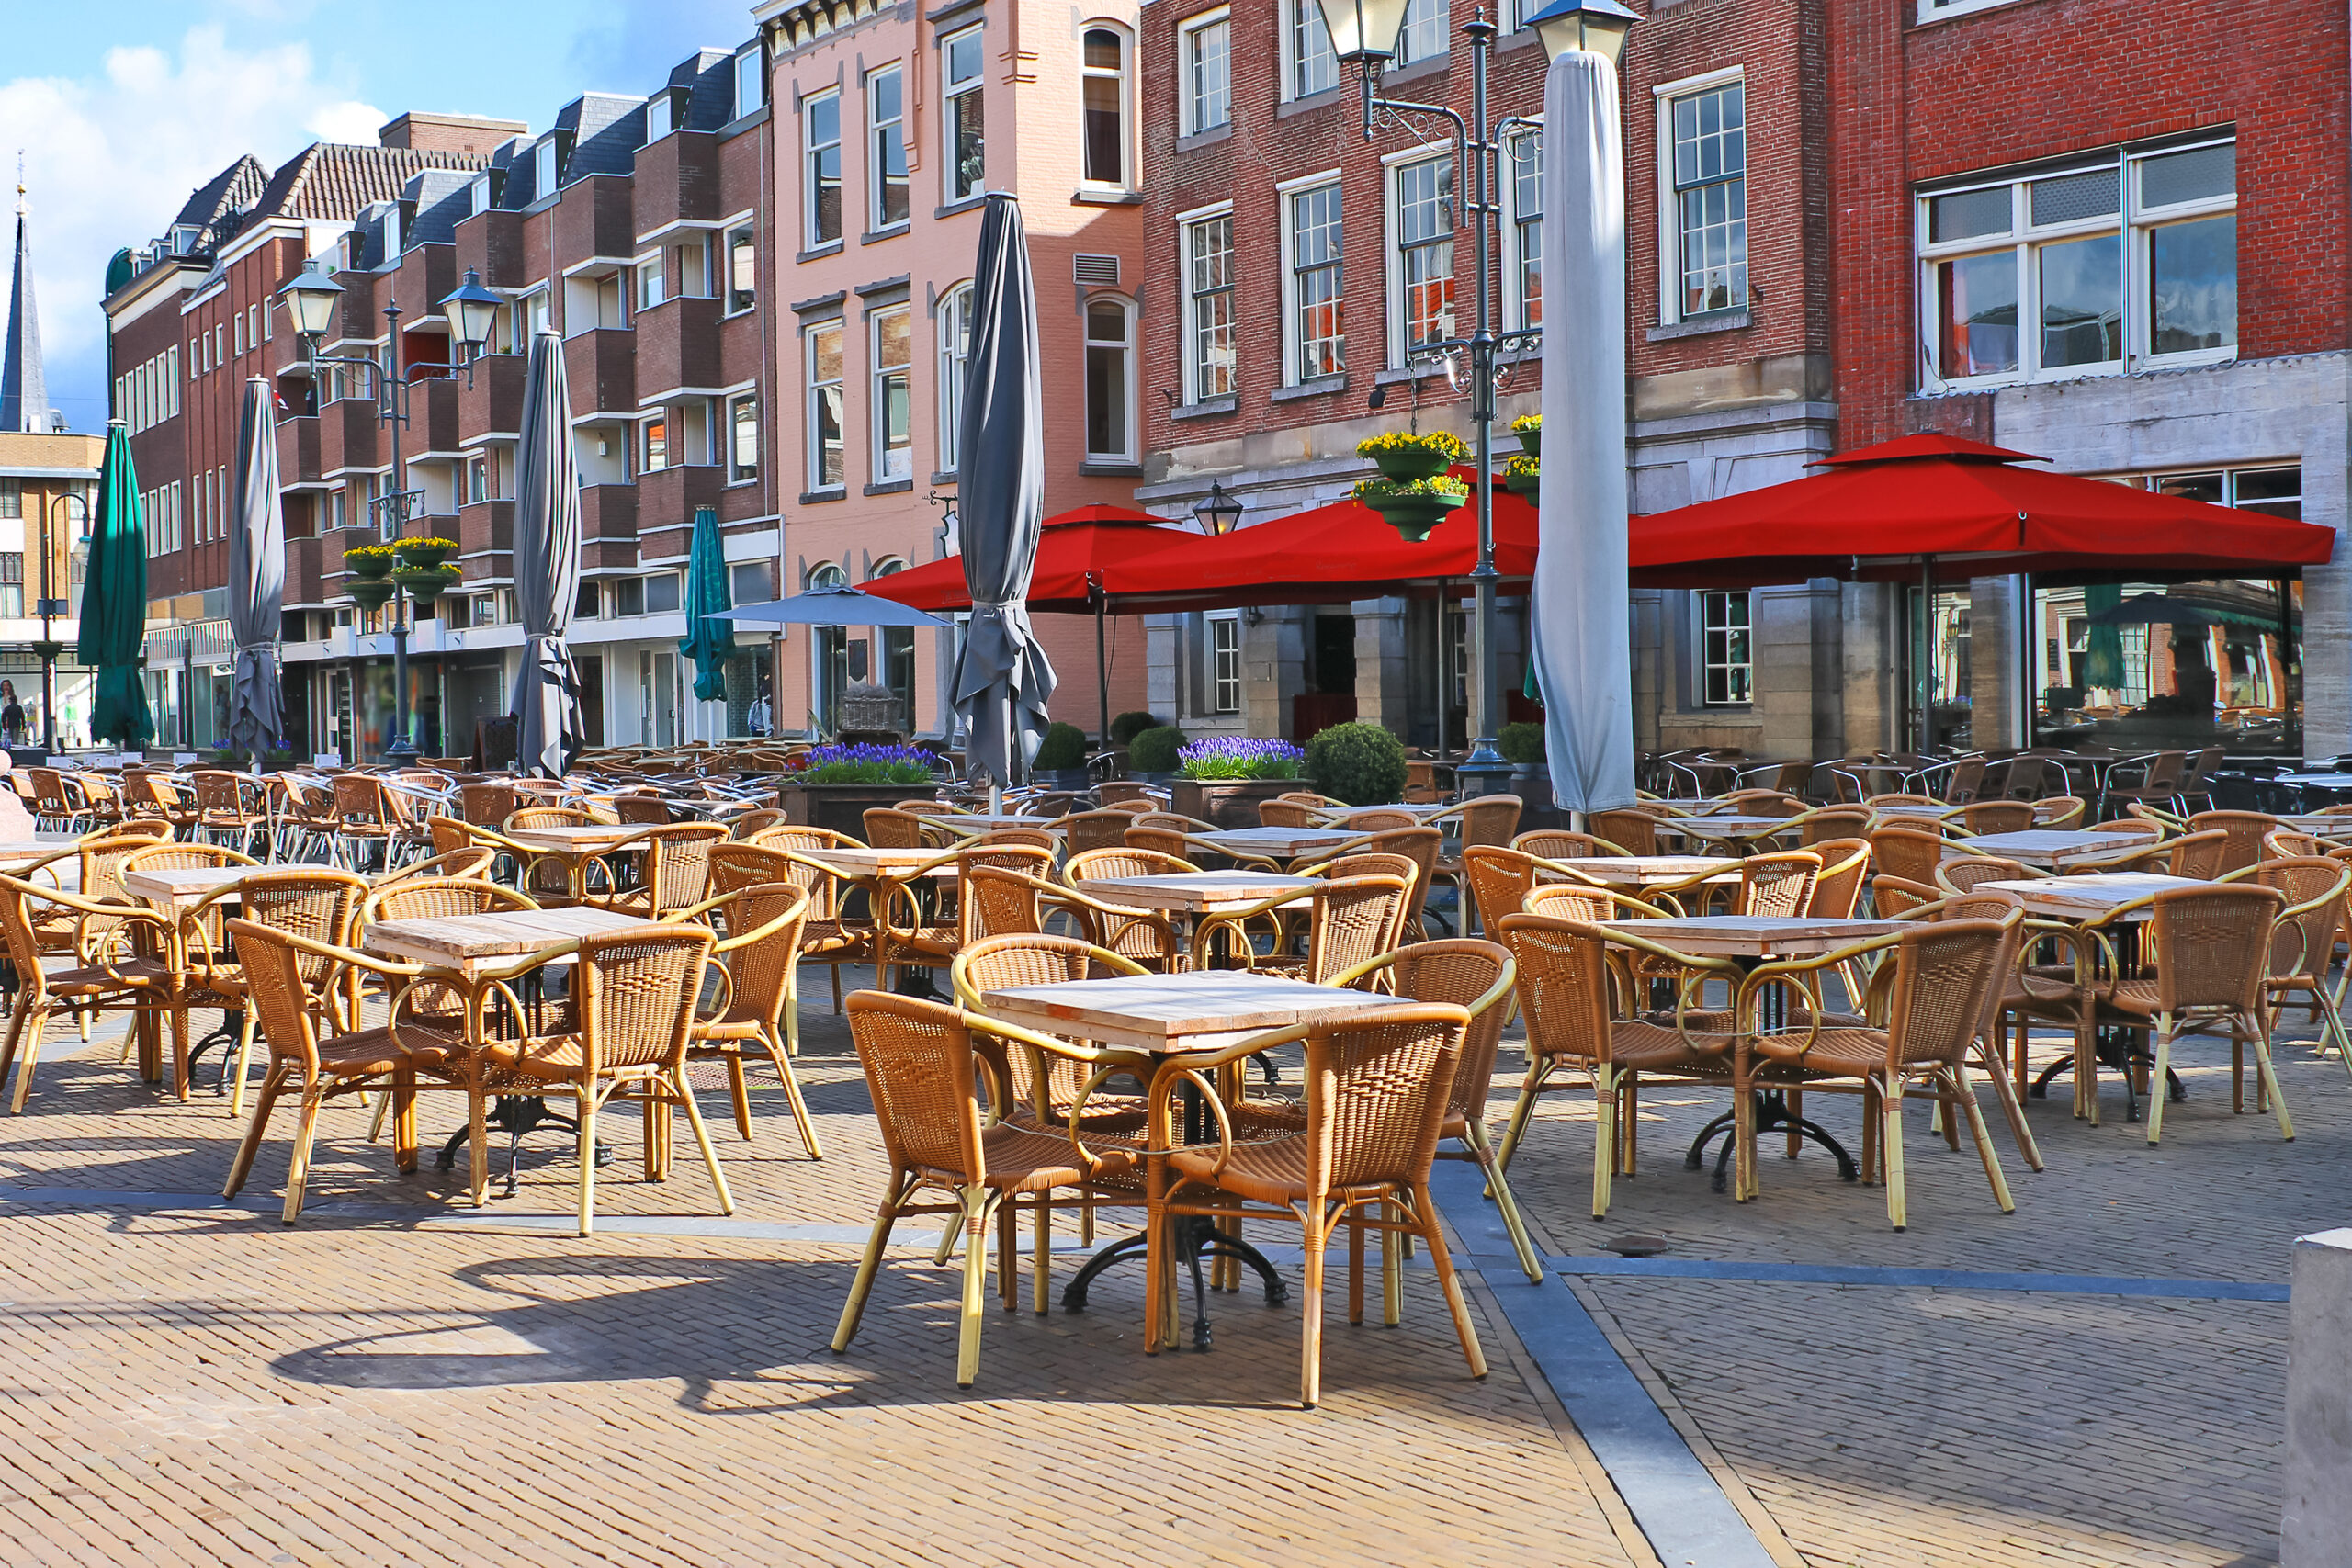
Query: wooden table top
(20, 850)
(1203, 892)
(1645, 870)
(2085, 898)
(1918, 813)
(577, 840)
(1755, 936)
(1281, 843)
(179, 887)
(1725, 826)
(2318, 827)
(473, 940)
(2044, 846)
(874, 863)
(985, 821)
(1198, 1010)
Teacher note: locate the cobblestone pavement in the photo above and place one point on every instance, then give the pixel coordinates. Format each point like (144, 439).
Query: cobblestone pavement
(395, 1380)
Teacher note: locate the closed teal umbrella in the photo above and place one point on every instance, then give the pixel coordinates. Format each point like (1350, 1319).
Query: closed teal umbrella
(710, 642)
(114, 601)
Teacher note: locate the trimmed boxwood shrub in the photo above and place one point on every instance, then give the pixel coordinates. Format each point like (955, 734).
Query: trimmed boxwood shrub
(1127, 725)
(1360, 763)
(1154, 749)
(1521, 744)
(1064, 746)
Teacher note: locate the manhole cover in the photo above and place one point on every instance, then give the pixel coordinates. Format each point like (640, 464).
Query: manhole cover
(1636, 1245)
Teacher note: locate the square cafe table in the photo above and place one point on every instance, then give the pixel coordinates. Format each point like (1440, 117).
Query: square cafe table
(1194, 892)
(1648, 871)
(2050, 847)
(178, 889)
(592, 839)
(2317, 826)
(1727, 828)
(1290, 843)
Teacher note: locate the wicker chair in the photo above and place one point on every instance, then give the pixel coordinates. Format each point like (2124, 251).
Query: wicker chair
(2309, 928)
(1964, 874)
(1377, 1085)
(284, 967)
(2245, 830)
(1115, 792)
(1379, 819)
(1569, 979)
(1825, 823)
(1280, 813)
(226, 813)
(450, 833)
(1027, 838)
(139, 982)
(759, 953)
(924, 1070)
(1634, 831)
(1764, 803)
(1165, 842)
(1912, 853)
(365, 822)
(1350, 919)
(145, 794)
(1499, 880)
(1995, 816)
(1488, 822)
(676, 873)
(2214, 957)
(312, 902)
(1558, 843)
(2160, 781)
(747, 824)
(650, 810)
(487, 803)
(1104, 829)
(1946, 979)
(936, 941)
(525, 818)
(1894, 896)
(465, 863)
(2058, 813)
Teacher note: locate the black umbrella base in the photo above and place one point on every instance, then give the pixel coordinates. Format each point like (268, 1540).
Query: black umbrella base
(1771, 1116)
(515, 1114)
(1196, 1237)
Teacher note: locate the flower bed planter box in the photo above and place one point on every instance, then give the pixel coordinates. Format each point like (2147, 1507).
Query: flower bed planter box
(1228, 803)
(842, 807)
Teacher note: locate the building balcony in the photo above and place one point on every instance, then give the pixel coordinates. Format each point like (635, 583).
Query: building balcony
(492, 244)
(600, 367)
(332, 575)
(298, 449)
(425, 278)
(485, 535)
(432, 416)
(666, 501)
(303, 580)
(677, 346)
(609, 526)
(494, 404)
(593, 218)
(677, 178)
(350, 436)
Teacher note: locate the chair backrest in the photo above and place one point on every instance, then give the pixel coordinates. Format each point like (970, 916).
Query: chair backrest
(1893, 898)
(1003, 961)
(735, 867)
(2306, 939)
(650, 809)
(1001, 902)
(1095, 829)
(801, 838)
(2245, 828)
(1029, 860)
(486, 805)
(2165, 770)
(2058, 813)
(1568, 901)
(1563, 985)
(1378, 1081)
(1466, 973)
(1158, 841)
(1370, 862)
(1764, 803)
(102, 856)
(182, 857)
(1963, 873)
(1558, 843)
(1499, 880)
(358, 800)
(2283, 845)
(1944, 971)
(1997, 816)
(1113, 791)
(2199, 777)
(1355, 919)
(437, 899)
(744, 824)
(923, 1077)
(448, 833)
(1378, 819)
(279, 986)
(1910, 852)
(1490, 819)
(1636, 832)
(2213, 944)
(677, 863)
(1878, 801)
(1838, 889)
(1280, 813)
(1779, 885)
(887, 827)
(637, 991)
(218, 792)
(310, 902)
(1032, 837)
(2200, 856)
(527, 817)
(471, 862)
(1422, 846)
(1127, 861)
(760, 969)
(1966, 778)
(1836, 822)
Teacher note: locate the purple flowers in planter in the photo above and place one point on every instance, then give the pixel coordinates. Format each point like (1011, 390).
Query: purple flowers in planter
(864, 764)
(1239, 758)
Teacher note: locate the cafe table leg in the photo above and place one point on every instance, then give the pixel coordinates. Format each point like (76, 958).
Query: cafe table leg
(1355, 1273)
(1392, 1268)
(403, 1120)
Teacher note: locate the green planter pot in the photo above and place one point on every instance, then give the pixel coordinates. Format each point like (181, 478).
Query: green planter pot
(370, 593)
(1228, 803)
(1414, 515)
(425, 585)
(842, 807)
(370, 568)
(1411, 465)
(1531, 441)
(417, 555)
(49, 651)
(1522, 484)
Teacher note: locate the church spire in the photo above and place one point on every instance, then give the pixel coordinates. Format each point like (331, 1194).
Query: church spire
(24, 393)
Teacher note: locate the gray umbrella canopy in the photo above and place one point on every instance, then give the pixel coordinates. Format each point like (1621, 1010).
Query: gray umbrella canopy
(546, 567)
(1002, 677)
(831, 607)
(257, 576)
(1583, 641)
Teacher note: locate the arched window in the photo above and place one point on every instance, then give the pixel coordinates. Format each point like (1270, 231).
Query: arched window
(828, 655)
(1105, 90)
(1110, 380)
(897, 670)
(955, 350)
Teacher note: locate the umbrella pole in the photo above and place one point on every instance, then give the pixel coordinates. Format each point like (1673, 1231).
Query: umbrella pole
(1102, 682)
(1927, 655)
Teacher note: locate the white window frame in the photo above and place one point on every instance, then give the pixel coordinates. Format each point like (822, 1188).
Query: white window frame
(874, 127)
(1703, 663)
(736, 472)
(1514, 230)
(1286, 195)
(653, 278)
(1444, 30)
(878, 378)
(952, 324)
(1664, 97)
(812, 394)
(1294, 14)
(749, 231)
(1188, 300)
(1127, 393)
(1189, 108)
(810, 150)
(1222, 627)
(2133, 221)
(952, 87)
(1392, 169)
(1124, 76)
(1929, 11)
(751, 67)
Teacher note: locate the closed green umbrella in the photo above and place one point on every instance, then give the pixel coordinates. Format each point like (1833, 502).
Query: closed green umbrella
(2102, 662)
(114, 601)
(710, 642)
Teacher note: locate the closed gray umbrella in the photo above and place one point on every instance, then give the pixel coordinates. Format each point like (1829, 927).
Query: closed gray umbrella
(1583, 641)
(257, 577)
(1002, 677)
(546, 567)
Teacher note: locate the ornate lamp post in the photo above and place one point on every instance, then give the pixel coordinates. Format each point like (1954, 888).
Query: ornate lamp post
(313, 299)
(54, 605)
(1216, 513)
(1365, 32)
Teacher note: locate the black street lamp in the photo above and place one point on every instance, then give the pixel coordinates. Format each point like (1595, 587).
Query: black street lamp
(313, 299)
(1216, 513)
(54, 605)
(1365, 31)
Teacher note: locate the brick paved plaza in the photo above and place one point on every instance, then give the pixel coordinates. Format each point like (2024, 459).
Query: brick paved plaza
(398, 1380)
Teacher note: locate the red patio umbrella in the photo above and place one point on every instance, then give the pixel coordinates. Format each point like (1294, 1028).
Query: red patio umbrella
(1882, 512)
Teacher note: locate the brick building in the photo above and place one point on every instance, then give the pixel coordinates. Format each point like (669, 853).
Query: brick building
(891, 125)
(49, 489)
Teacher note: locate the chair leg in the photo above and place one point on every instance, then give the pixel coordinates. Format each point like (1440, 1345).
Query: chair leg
(2010, 1108)
(702, 1140)
(477, 1143)
(1355, 1275)
(2164, 1061)
(1538, 1070)
(8, 1056)
(1506, 1202)
(740, 1094)
(1890, 1120)
(1310, 1309)
(244, 1059)
(298, 1172)
(1977, 1130)
(1008, 1272)
(34, 1022)
(263, 1104)
(978, 1202)
(588, 1097)
(871, 1264)
(1391, 1268)
(1604, 1135)
(1745, 1183)
(2270, 1079)
(780, 1057)
(1425, 1211)
(1040, 1256)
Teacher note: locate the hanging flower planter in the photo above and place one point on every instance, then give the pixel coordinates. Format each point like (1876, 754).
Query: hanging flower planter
(426, 583)
(1522, 475)
(369, 561)
(1399, 456)
(1528, 428)
(49, 650)
(370, 593)
(425, 553)
(1413, 507)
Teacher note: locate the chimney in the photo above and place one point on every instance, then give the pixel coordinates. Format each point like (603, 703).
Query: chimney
(450, 133)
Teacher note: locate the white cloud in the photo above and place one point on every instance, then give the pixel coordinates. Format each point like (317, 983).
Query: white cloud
(110, 158)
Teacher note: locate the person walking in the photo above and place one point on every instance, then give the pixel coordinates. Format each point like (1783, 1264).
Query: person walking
(12, 715)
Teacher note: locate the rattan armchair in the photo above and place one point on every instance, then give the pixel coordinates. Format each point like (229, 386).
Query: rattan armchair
(1350, 919)
(1628, 830)
(924, 1070)
(130, 973)
(936, 937)
(1558, 843)
(2309, 927)
(758, 957)
(1378, 1083)
(314, 902)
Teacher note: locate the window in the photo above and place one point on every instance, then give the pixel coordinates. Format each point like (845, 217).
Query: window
(662, 594)
(825, 471)
(629, 596)
(963, 121)
(1110, 380)
(954, 352)
(1707, 134)
(1309, 65)
(1424, 228)
(653, 447)
(1525, 264)
(1206, 52)
(12, 497)
(892, 413)
(1103, 90)
(588, 604)
(477, 479)
(238, 338)
(2082, 271)
(12, 585)
(534, 314)
(1317, 310)
(1224, 664)
(1426, 32)
(743, 427)
(742, 269)
(886, 154)
(822, 167)
(750, 583)
(1208, 306)
(544, 170)
(650, 282)
(750, 81)
(1725, 655)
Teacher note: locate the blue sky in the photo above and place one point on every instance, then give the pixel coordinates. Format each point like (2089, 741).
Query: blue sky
(119, 119)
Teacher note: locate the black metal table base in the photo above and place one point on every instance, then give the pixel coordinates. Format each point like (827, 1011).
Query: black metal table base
(2120, 1049)
(233, 1023)
(1771, 1116)
(1196, 1237)
(515, 1114)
